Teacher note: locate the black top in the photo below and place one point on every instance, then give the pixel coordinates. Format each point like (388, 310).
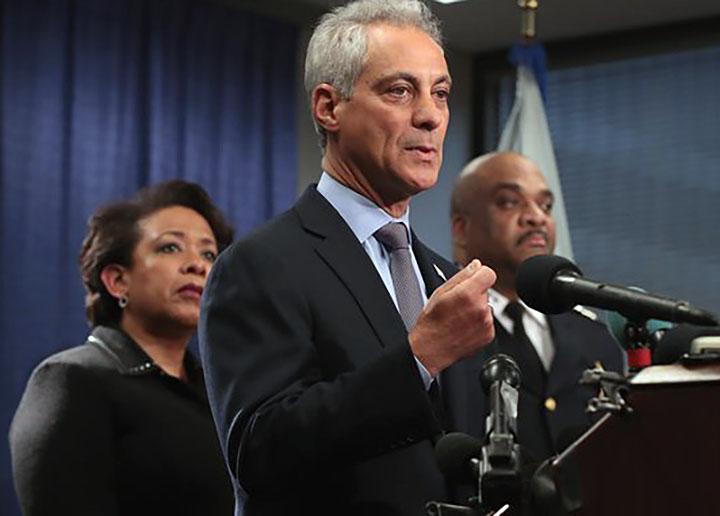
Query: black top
(102, 430)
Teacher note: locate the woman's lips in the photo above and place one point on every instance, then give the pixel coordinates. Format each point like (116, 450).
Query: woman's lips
(191, 291)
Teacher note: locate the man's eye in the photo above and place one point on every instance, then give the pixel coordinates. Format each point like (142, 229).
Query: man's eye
(400, 91)
(442, 94)
(547, 207)
(507, 202)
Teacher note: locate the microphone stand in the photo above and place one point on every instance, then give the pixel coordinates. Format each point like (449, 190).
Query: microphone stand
(637, 343)
(500, 482)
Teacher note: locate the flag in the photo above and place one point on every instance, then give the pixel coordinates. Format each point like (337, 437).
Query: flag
(527, 132)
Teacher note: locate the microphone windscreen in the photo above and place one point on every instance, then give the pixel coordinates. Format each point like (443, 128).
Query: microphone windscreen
(453, 453)
(534, 282)
(676, 342)
(499, 367)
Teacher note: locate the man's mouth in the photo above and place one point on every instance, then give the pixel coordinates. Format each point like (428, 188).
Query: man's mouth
(425, 152)
(534, 239)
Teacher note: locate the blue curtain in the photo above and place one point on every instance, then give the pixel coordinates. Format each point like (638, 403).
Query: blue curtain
(101, 97)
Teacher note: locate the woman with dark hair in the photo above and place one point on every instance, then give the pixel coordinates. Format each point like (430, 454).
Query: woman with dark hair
(121, 424)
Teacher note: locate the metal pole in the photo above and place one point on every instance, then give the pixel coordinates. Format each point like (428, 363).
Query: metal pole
(528, 19)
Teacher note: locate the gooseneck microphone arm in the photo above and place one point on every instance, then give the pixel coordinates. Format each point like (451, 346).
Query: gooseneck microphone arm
(552, 285)
(631, 303)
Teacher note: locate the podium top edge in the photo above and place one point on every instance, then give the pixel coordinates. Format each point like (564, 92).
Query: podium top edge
(677, 373)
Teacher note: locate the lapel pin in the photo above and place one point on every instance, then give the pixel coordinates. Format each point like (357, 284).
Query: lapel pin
(440, 272)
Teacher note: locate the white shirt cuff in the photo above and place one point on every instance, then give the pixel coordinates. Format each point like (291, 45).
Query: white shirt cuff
(424, 374)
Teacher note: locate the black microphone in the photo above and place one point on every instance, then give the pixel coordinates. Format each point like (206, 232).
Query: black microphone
(553, 285)
(458, 456)
(677, 341)
(500, 379)
(500, 475)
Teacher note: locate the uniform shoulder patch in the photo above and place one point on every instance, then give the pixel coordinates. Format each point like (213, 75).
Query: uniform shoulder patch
(586, 312)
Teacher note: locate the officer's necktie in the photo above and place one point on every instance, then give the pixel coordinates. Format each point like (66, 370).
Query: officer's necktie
(531, 368)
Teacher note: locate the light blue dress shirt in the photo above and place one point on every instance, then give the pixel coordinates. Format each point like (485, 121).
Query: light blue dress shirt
(364, 218)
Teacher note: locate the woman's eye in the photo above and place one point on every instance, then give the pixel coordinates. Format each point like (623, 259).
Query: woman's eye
(210, 256)
(169, 248)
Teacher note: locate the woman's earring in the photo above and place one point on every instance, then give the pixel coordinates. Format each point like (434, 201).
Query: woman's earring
(122, 302)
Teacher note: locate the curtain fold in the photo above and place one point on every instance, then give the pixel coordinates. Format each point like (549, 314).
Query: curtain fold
(101, 97)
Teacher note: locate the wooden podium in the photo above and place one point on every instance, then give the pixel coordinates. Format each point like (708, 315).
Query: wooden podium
(662, 459)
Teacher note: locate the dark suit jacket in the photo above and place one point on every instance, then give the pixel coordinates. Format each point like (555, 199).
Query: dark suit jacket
(101, 430)
(314, 389)
(579, 343)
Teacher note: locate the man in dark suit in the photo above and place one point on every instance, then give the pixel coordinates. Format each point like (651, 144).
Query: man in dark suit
(502, 214)
(327, 334)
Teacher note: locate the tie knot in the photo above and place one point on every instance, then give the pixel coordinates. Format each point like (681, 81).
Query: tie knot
(514, 310)
(393, 236)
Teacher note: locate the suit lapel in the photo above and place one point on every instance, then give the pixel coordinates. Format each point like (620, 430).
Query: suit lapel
(340, 250)
(338, 247)
(463, 392)
(432, 275)
(460, 383)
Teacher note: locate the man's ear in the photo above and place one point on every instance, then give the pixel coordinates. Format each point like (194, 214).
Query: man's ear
(458, 229)
(115, 279)
(324, 103)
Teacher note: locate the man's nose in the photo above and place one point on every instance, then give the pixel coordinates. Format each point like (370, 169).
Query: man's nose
(534, 214)
(428, 114)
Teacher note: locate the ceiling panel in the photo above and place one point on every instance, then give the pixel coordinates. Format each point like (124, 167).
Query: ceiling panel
(484, 25)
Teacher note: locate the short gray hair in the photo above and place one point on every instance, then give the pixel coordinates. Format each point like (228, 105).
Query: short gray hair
(338, 47)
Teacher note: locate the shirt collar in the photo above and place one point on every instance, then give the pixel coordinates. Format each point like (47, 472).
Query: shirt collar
(362, 215)
(500, 302)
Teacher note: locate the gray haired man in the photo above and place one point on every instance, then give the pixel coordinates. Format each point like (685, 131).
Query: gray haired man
(332, 335)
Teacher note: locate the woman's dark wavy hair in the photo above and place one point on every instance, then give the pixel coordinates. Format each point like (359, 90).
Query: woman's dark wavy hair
(113, 233)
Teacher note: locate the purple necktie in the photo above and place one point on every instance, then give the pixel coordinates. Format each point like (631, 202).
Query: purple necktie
(394, 237)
